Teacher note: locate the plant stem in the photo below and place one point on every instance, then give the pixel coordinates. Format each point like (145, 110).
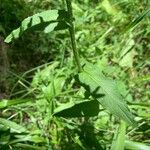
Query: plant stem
(72, 35)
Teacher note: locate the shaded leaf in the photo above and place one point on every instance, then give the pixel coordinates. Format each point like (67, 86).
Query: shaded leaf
(97, 84)
(50, 27)
(4, 135)
(86, 108)
(47, 20)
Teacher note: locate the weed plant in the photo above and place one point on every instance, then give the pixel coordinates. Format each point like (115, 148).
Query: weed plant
(92, 91)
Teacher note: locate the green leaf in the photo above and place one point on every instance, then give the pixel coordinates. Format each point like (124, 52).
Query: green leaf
(13, 126)
(4, 137)
(119, 138)
(86, 108)
(29, 147)
(31, 138)
(54, 88)
(131, 145)
(127, 54)
(6, 103)
(133, 24)
(127, 60)
(97, 85)
(47, 20)
(144, 78)
(43, 75)
(108, 7)
(50, 27)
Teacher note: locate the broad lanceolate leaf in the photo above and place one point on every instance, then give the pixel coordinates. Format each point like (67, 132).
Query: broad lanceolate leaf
(105, 91)
(85, 108)
(28, 146)
(6, 103)
(47, 20)
(12, 125)
(25, 137)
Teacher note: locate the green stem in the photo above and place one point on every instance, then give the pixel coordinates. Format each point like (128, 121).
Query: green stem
(72, 35)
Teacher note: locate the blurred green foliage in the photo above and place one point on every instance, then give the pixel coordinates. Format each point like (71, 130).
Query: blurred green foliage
(42, 72)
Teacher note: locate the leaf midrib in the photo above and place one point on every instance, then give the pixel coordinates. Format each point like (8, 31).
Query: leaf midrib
(95, 80)
(124, 113)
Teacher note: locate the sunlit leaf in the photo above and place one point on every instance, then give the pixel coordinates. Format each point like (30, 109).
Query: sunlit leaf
(54, 88)
(97, 85)
(4, 135)
(127, 60)
(127, 54)
(119, 137)
(31, 138)
(6, 103)
(131, 145)
(108, 7)
(14, 127)
(47, 20)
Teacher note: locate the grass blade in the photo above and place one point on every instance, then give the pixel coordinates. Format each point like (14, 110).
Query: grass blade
(119, 137)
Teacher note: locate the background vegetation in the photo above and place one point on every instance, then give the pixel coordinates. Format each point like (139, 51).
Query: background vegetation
(37, 73)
